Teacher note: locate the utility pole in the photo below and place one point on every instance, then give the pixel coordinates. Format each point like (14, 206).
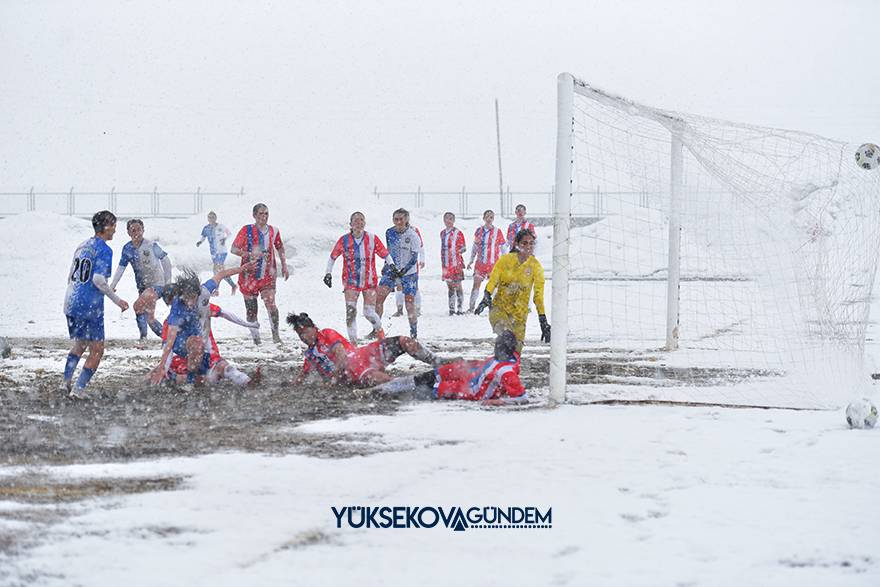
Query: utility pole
(500, 177)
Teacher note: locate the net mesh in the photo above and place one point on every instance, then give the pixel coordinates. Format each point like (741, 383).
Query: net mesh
(778, 252)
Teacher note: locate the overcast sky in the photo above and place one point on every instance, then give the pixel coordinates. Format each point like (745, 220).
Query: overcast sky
(338, 97)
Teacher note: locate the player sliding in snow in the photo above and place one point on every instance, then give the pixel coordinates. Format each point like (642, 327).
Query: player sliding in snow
(219, 368)
(152, 270)
(359, 250)
(189, 323)
(332, 358)
(494, 381)
(258, 242)
(217, 235)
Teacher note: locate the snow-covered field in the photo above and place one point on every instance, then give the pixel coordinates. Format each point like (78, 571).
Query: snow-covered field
(640, 495)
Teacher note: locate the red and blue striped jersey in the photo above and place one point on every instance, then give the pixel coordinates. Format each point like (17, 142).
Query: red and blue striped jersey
(358, 259)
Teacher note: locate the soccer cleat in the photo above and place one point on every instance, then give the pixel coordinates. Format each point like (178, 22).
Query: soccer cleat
(78, 393)
(377, 333)
(452, 312)
(398, 313)
(276, 338)
(66, 386)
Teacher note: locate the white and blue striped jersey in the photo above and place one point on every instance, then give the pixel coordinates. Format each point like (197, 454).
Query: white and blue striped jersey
(83, 299)
(403, 249)
(146, 260)
(216, 235)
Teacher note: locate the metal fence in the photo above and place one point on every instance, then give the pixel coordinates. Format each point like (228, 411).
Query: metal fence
(156, 203)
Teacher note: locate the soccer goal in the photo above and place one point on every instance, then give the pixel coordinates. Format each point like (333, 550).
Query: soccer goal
(703, 261)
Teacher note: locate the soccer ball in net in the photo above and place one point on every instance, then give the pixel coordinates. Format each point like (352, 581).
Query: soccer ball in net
(861, 414)
(868, 156)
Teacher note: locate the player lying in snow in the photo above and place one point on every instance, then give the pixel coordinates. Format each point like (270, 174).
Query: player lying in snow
(332, 358)
(494, 381)
(189, 323)
(218, 367)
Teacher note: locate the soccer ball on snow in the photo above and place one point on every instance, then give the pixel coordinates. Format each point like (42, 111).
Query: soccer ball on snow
(861, 414)
(868, 156)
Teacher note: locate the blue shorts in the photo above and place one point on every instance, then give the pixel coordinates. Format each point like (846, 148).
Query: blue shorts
(409, 282)
(91, 328)
(219, 258)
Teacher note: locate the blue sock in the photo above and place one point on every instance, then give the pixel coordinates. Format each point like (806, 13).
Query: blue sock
(142, 324)
(84, 377)
(70, 366)
(413, 330)
(156, 327)
(190, 377)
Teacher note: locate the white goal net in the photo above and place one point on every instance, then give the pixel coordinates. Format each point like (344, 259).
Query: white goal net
(699, 260)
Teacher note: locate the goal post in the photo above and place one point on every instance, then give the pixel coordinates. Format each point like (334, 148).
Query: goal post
(704, 261)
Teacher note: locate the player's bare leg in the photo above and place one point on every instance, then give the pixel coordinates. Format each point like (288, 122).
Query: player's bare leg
(146, 305)
(381, 294)
(218, 267)
(268, 296)
(250, 309)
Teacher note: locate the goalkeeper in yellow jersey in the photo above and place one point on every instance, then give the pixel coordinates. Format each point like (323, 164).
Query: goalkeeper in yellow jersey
(512, 280)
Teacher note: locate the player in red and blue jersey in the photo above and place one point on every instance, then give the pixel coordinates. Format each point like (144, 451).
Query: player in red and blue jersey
(331, 358)
(217, 234)
(402, 264)
(189, 323)
(519, 224)
(358, 250)
(84, 302)
(493, 381)
(259, 242)
(152, 270)
(489, 245)
(452, 247)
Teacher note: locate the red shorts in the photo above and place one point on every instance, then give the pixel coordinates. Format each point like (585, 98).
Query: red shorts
(251, 287)
(178, 363)
(455, 273)
(483, 269)
(363, 360)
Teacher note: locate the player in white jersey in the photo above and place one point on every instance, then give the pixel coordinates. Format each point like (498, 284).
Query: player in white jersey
(84, 302)
(399, 297)
(217, 235)
(152, 270)
(403, 246)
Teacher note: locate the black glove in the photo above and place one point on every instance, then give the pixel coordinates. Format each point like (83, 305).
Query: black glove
(545, 328)
(198, 244)
(328, 280)
(485, 303)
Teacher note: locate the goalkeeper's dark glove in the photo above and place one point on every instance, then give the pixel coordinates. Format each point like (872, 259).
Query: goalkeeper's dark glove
(545, 328)
(328, 280)
(485, 303)
(199, 243)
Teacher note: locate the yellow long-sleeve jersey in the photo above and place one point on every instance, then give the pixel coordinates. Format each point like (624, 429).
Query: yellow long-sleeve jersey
(514, 282)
